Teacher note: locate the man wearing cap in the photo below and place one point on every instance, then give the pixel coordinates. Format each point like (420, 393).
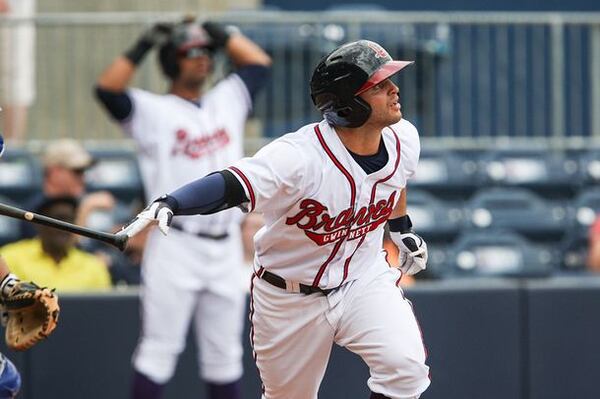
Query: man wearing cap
(51, 259)
(64, 162)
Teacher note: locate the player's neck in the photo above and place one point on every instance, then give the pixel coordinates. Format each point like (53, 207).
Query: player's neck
(190, 93)
(363, 140)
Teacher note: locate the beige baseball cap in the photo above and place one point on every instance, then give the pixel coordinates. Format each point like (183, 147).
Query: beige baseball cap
(67, 153)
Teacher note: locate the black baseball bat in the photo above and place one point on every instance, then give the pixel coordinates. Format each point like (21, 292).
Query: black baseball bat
(119, 241)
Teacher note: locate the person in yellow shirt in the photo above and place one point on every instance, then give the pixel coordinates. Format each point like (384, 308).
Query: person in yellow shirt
(51, 259)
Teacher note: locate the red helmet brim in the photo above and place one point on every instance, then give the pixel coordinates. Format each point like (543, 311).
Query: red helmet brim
(383, 73)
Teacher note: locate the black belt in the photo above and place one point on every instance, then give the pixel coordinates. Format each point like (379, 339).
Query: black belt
(215, 237)
(280, 282)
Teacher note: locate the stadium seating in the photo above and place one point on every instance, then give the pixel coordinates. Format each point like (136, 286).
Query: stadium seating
(116, 171)
(585, 208)
(546, 172)
(434, 219)
(9, 227)
(590, 167)
(20, 175)
(446, 174)
(518, 210)
(498, 253)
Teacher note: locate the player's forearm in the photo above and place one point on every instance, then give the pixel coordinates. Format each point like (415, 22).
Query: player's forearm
(118, 75)
(243, 51)
(593, 260)
(400, 209)
(210, 194)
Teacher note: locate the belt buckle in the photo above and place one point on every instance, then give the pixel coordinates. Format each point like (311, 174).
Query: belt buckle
(292, 286)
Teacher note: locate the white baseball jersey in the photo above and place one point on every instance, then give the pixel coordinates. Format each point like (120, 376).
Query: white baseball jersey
(180, 141)
(324, 215)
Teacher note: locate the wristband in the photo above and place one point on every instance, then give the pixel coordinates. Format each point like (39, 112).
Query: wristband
(403, 224)
(138, 51)
(7, 284)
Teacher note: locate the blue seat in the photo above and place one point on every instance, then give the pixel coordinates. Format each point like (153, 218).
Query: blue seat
(573, 252)
(585, 209)
(20, 175)
(518, 210)
(498, 253)
(116, 171)
(546, 172)
(590, 167)
(432, 218)
(446, 174)
(9, 227)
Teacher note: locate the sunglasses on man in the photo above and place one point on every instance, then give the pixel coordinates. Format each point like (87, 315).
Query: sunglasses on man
(195, 52)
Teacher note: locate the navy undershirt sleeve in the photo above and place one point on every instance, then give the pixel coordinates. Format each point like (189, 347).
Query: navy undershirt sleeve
(213, 193)
(119, 105)
(254, 77)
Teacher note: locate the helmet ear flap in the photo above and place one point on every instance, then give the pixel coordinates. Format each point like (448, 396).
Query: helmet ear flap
(356, 113)
(167, 58)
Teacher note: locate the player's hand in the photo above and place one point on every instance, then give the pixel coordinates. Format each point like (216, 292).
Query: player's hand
(158, 34)
(7, 286)
(413, 252)
(157, 212)
(219, 34)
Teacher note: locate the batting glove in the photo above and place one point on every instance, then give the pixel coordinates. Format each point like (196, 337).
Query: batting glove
(157, 212)
(157, 35)
(413, 252)
(218, 33)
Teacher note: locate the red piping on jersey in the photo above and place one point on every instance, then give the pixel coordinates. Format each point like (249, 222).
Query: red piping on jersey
(339, 165)
(373, 192)
(248, 186)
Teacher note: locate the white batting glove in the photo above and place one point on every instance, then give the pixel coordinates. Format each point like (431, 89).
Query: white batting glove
(413, 252)
(157, 212)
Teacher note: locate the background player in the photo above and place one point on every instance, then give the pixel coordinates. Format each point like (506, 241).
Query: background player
(326, 192)
(179, 135)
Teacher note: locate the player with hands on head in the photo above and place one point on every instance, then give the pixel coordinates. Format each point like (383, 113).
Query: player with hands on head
(326, 191)
(193, 277)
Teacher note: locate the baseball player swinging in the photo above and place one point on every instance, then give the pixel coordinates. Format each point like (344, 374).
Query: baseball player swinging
(326, 192)
(180, 135)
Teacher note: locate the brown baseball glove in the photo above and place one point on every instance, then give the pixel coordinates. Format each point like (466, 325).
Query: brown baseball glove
(31, 314)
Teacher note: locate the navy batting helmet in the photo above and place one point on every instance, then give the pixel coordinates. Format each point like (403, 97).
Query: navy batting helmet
(186, 36)
(345, 73)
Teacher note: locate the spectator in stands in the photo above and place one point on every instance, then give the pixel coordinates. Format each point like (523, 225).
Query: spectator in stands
(65, 162)
(593, 260)
(17, 67)
(124, 266)
(51, 259)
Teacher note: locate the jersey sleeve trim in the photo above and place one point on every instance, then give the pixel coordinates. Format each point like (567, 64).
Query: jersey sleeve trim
(248, 186)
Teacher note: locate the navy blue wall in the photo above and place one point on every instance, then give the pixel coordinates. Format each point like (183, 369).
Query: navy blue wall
(446, 5)
(498, 339)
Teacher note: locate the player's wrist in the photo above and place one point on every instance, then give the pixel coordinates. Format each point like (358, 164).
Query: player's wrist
(138, 51)
(7, 284)
(169, 201)
(403, 224)
(218, 33)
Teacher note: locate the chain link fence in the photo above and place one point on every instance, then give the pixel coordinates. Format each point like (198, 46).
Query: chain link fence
(478, 77)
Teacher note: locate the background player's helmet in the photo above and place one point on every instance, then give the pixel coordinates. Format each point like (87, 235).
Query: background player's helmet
(346, 72)
(185, 36)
